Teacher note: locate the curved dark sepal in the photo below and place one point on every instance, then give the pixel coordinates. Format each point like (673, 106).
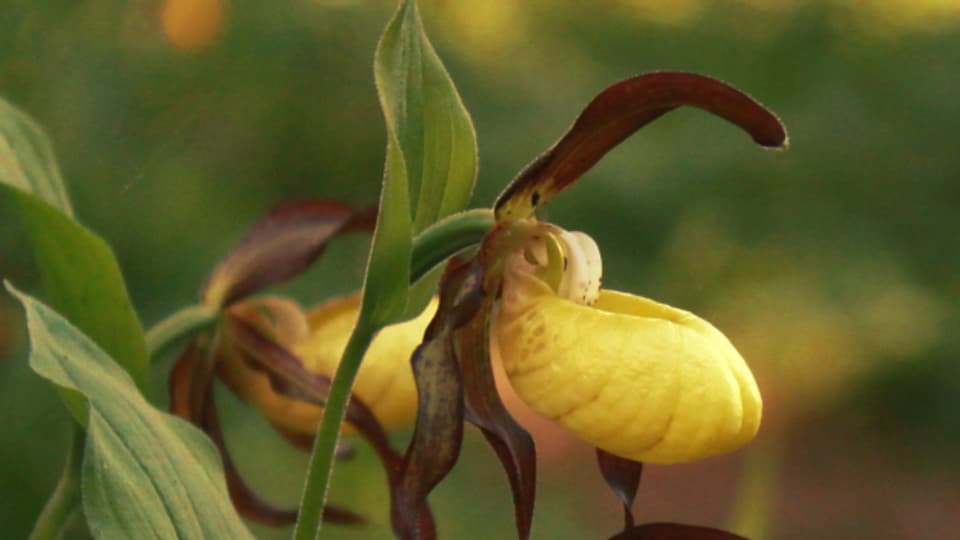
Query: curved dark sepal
(289, 378)
(438, 434)
(189, 382)
(280, 245)
(674, 531)
(623, 477)
(484, 409)
(618, 112)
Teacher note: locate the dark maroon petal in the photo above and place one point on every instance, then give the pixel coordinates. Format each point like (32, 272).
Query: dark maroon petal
(438, 434)
(623, 477)
(190, 381)
(484, 409)
(247, 503)
(674, 531)
(288, 377)
(618, 112)
(281, 245)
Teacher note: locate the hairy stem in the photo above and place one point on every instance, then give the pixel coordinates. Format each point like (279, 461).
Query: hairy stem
(64, 503)
(431, 247)
(321, 460)
(446, 238)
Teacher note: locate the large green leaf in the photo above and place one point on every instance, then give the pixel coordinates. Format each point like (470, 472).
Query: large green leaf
(146, 474)
(81, 277)
(26, 159)
(431, 161)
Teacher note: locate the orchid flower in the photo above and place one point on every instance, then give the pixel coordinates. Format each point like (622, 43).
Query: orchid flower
(279, 358)
(640, 380)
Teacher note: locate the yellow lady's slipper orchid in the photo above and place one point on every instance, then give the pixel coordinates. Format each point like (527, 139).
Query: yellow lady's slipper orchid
(318, 338)
(631, 376)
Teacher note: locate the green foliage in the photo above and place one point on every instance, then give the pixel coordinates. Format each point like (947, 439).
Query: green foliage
(81, 277)
(26, 159)
(431, 159)
(146, 474)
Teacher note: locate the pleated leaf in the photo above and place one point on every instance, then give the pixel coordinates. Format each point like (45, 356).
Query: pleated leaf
(80, 274)
(146, 474)
(431, 162)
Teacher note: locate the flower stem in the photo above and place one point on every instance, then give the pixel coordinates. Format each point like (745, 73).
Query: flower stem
(64, 503)
(321, 460)
(186, 320)
(446, 238)
(431, 247)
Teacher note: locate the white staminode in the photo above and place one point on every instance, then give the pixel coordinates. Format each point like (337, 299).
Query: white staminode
(569, 262)
(583, 268)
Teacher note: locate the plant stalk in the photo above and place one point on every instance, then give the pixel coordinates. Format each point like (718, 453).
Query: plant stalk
(64, 503)
(180, 323)
(321, 460)
(431, 247)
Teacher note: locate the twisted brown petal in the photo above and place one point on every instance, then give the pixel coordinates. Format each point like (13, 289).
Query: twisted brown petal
(281, 245)
(436, 441)
(484, 409)
(623, 477)
(674, 531)
(618, 112)
(288, 377)
(190, 381)
(245, 500)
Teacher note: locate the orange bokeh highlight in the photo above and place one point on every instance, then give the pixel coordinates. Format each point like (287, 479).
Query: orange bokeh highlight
(192, 24)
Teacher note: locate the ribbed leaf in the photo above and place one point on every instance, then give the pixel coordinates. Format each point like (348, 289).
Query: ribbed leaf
(618, 112)
(146, 474)
(80, 274)
(431, 162)
(26, 159)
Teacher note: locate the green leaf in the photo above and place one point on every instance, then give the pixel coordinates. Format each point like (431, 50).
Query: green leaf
(80, 274)
(146, 474)
(26, 159)
(431, 160)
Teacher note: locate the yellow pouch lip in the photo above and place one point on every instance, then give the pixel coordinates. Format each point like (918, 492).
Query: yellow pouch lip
(384, 383)
(691, 365)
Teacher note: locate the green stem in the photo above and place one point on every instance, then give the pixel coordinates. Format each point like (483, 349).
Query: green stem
(64, 502)
(431, 247)
(446, 238)
(321, 461)
(186, 320)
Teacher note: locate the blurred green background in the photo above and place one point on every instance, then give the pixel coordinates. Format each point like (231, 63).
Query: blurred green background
(833, 267)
